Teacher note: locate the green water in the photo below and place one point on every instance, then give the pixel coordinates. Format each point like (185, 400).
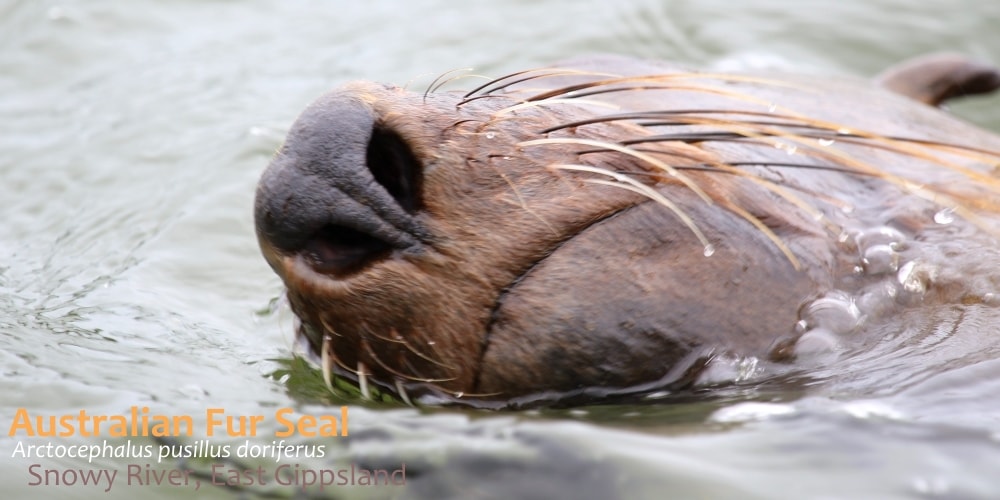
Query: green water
(133, 134)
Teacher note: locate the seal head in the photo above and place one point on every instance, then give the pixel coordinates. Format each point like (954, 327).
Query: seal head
(522, 242)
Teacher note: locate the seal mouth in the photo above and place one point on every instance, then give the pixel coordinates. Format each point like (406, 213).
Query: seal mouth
(340, 251)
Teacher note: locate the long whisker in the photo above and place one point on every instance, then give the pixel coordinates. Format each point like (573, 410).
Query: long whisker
(368, 349)
(442, 80)
(497, 81)
(363, 381)
(326, 350)
(401, 390)
(709, 167)
(938, 197)
(644, 116)
(328, 358)
(512, 79)
(535, 104)
(428, 358)
(822, 130)
(982, 178)
(778, 242)
(628, 151)
(631, 83)
(896, 144)
(398, 339)
(328, 354)
(524, 206)
(626, 182)
(409, 346)
(688, 88)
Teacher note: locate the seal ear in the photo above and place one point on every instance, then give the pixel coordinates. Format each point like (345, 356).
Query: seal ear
(935, 78)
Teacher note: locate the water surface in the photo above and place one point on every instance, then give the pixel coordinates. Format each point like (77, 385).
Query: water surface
(134, 133)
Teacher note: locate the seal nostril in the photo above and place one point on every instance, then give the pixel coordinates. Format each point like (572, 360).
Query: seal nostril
(394, 166)
(340, 250)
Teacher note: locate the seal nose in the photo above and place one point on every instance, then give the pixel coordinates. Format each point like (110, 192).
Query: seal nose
(342, 190)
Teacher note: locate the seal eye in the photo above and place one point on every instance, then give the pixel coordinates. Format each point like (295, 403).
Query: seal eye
(394, 166)
(341, 251)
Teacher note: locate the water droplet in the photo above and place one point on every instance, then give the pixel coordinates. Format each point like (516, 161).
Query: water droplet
(844, 131)
(772, 108)
(915, 277)
(946, 216)
(728, 369)
(880, 259)
(709, 250)
(835, 312)
(490, 135)
(882, 235)
(787, 148)
(431, 342)
(801, 326)
(878, 298)
(825, 142)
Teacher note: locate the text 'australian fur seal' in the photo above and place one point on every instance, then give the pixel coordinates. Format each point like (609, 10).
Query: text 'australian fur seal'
(610, 226)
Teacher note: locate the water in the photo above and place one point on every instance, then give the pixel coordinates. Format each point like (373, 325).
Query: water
(133, 136)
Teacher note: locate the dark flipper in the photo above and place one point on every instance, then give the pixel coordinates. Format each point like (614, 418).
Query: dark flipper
(935, 78)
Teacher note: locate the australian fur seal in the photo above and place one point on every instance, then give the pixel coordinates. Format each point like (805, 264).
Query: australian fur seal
(609, 226)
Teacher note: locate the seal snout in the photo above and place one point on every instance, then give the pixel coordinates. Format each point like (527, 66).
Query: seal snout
(342, 191)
